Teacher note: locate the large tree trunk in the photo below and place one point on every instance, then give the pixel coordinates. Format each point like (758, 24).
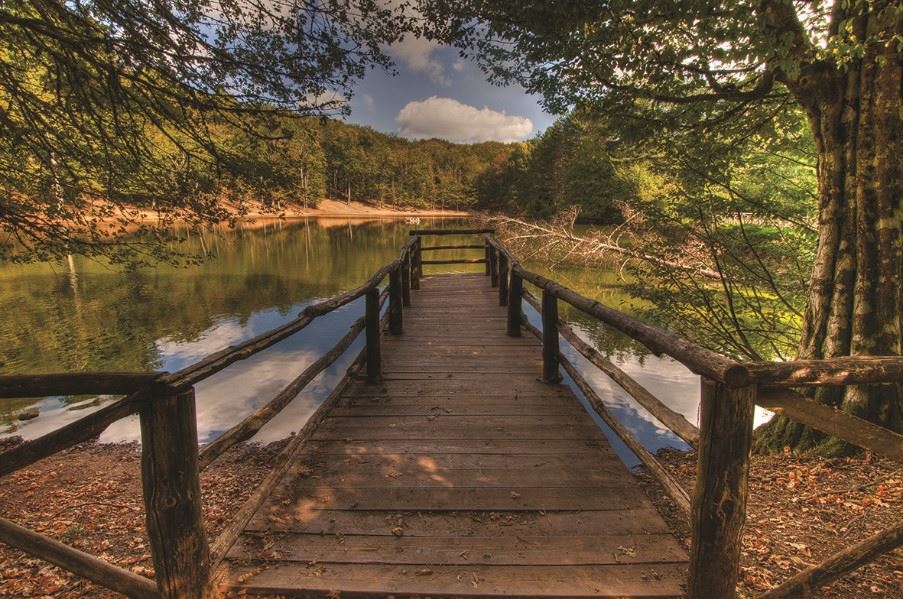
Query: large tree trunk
(855, 303)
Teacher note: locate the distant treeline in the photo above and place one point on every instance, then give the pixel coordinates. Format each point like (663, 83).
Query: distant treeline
(307, 159)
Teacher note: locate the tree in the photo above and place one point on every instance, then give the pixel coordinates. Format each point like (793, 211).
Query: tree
(676, 64)
(125, 102)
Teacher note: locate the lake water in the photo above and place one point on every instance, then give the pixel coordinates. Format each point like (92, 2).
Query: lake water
(81, 315)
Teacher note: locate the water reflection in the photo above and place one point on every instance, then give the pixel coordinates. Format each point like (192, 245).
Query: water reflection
(165, 318)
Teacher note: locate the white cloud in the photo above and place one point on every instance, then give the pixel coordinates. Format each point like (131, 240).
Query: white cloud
(458, 66)
(449, 119)
(368, 103)
(417, 54)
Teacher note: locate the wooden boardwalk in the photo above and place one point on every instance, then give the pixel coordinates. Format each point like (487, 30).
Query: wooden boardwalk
(460, 474)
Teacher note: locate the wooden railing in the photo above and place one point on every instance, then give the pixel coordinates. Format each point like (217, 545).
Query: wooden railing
(170, 460)
(716, 508)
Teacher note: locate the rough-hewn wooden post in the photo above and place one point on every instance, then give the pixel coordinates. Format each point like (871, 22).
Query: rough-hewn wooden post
(550, 372)
(503, 279)
(719, 499)
(416, 264)
(172, 496)
(374, 359)
(396, 326)
(488, 264)
(406, 280)
(493, 266)
(515, 301)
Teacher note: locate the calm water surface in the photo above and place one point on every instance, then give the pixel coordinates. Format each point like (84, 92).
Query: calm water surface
(81, 315)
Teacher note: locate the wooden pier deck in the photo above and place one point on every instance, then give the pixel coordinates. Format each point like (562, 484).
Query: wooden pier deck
(461, 474)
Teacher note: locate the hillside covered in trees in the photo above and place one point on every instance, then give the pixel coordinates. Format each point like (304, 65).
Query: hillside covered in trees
(306, 159)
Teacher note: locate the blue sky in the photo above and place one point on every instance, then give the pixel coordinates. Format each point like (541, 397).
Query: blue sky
(437, 94)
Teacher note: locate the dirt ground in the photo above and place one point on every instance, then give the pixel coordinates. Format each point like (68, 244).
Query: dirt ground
(801, 510)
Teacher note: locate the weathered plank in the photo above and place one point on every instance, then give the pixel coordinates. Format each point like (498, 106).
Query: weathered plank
(622, 580)
(463, 524)
(520, 550)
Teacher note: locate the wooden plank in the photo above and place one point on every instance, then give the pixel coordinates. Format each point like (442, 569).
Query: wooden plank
(474, 432)
(307, 497)
(485, 446)
(477, 384)
(520, 550)
(640, 519)
(389, 475)
(454, 421)
(441, 462)
(622, 580)
(419, 407)
(414, 232)
(451, 247)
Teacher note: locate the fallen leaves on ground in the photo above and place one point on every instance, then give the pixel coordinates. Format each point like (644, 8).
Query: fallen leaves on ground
(803, 509)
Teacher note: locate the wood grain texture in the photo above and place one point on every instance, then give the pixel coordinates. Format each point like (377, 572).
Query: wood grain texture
(459, 473)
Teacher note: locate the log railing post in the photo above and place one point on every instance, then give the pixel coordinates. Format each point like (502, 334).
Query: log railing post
(396, 326)
(488, 264)
(503, 279)
(172, 496)
(493, 266)
(416, 264)
(406, 280)
(374, 359)
(515, 301)
(719, 498)
(550, 373)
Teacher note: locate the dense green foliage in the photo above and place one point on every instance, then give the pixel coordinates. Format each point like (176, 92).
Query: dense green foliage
(305, 159)
(573, 163)
(364, 164)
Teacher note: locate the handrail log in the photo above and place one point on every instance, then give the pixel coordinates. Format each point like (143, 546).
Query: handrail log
(675, 422)
(71, 434)
(252, 423)
(76, 383)
(459, 261)
(843, 370)
(226, 539)
(677, 493)
(449, 232)
(834, 422)
(451, 247)
(698, 359)
(808, 581)
(78, 562)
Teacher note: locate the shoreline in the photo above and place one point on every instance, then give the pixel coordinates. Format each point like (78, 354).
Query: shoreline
(326, 209)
